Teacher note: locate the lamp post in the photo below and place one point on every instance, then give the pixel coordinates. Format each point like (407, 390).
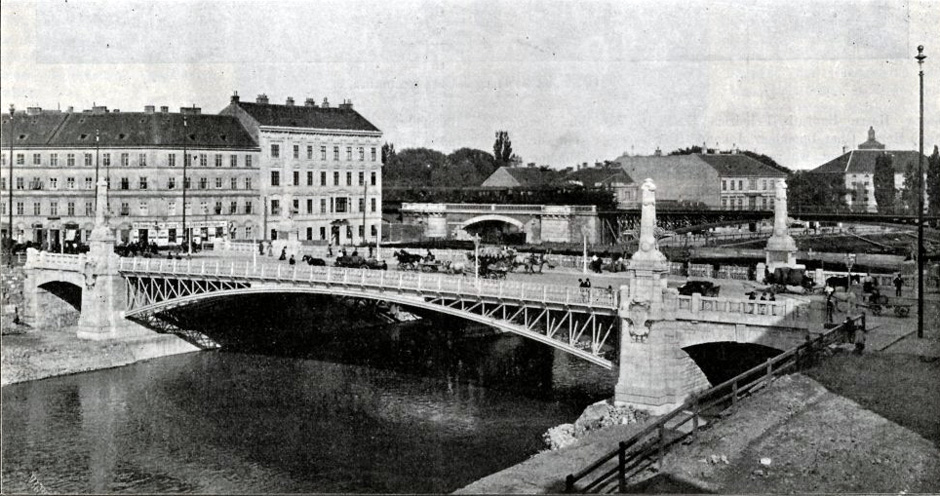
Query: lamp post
(476, 257)
(10, 185)
(920, 202)
(185, 161)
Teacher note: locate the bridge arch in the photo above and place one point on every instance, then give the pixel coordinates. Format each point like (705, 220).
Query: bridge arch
(66, 291)
(141, 314)
(493, 218)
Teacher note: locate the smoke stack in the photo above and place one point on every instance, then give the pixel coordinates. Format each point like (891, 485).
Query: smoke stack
(262, 99)
(290, 101)
(235, 98)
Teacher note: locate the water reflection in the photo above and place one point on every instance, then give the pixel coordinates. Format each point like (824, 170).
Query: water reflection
(430, 411)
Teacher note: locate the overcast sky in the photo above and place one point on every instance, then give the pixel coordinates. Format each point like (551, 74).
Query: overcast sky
(571, 81)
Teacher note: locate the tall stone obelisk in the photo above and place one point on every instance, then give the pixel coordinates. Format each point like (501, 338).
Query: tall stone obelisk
(781, 248)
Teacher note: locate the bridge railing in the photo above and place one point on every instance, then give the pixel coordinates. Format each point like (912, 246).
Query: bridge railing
(696, 305)
(425, 284)
(50, 260)
(648, 446)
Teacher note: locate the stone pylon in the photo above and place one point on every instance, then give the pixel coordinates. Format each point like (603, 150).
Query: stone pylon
(654, 371)
(781, 248)
(103, 294)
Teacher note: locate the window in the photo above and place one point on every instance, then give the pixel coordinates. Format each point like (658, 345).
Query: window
(70, 160)
(349, 153)
(88, 207)
(233, 160)
(19, 208)
(171, 235)
(54, 208)
(336, 153)
(724, 185)
(53, 159)
(248, 232)
(171, 207)
(187, 160)
(142, 160)
(275, 207)
(349, 179)
(335, 178)
(247, 183)
(204, 206)
(295, 206)
(248, 209)
(372, 204)
(125, 183)
(296, 151)
(275, 178)
(322, 178)
(362, 205)
(247, 160)
(143, 182)
(218, 183)
(106, 159)
(171, 159)
(233, 207)
(322, 233)
(143, 208)
(309, 234)
(218, 208)
(322, 205)
(732, 184)
(88, 160)
(740, 203)
(203, 183)
(125, 159)
(309, 205)
(362, 178)
(341, 205)
(373, 154)
(171, 183)
(37, 208)
(275, 150)
(3, 183)
(763, 184)
(309, 178)
(740, 185)
(323, 153)
(203, 160)
(362, 231)
(309, 152)
(20, 159)
(37, 159)
(362, 154)
(53, 183)
(233, 183)
(273, 234)
(296, 177)
(373, 231)
(372, 179)
(88, 183)
(19, 183)
(724, 201)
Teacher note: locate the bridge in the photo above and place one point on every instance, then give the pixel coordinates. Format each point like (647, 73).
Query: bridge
(641, 328)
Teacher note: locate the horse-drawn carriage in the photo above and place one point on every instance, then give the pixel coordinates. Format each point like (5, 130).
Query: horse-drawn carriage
(877, 302)
(357, 262)
(789, 280)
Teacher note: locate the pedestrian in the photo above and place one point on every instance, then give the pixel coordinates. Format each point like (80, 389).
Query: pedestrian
(283, 254)
(291, 261)
(752, 295)
(898, 284)
(329, 249)
(867, 283)
(772, 297)
(587, 282)
(260, 247)
(830, 308)
(860, 336)
(763, 297)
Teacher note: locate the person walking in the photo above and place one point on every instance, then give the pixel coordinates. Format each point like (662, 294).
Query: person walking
(291, 261)
(898, 284)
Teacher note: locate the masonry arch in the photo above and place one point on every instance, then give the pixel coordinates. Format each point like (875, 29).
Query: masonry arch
(496, 228)
(722, 360)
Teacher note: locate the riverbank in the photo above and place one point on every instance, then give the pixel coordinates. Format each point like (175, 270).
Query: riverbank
(851, 424)
(31, 354)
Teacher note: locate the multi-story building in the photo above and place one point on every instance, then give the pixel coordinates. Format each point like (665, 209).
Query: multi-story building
(731, 181)
(234, 185)
(321, 167)
(857, 168)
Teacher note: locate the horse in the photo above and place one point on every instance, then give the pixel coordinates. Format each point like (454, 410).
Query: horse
(456, 268)
(842, 281)
(313, 261)
(406, 259)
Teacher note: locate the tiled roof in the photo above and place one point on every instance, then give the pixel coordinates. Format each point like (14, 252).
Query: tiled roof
(132, 129)
(30, 130)
(863, 162)
(739, 165)
(339, 118)
(592, 176)
(534, 177)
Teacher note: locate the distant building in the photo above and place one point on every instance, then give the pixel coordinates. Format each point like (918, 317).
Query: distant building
(523, 177)
(727, 181)
(604, 176)
(857, 167)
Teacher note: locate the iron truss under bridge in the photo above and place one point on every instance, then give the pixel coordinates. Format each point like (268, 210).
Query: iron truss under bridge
(582, 322)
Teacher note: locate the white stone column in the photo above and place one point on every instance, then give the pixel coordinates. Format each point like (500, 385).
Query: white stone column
(781, 248)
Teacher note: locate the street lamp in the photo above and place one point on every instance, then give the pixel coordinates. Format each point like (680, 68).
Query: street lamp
(10, 185)
(920, 202)
(476, 256)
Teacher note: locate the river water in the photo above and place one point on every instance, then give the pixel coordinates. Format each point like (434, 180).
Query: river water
(419, 409)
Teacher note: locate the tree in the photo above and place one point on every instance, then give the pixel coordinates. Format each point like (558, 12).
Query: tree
(911, 188)
(388, 152)
(813, 191)
(933, 181)
(502, 148)
(883, 182)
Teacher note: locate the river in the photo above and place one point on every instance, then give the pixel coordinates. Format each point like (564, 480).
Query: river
(422, 408)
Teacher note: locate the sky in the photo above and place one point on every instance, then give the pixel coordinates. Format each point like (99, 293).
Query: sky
(571, 81)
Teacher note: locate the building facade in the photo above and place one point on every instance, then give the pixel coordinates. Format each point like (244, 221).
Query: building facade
(321, 169)
(233, 182)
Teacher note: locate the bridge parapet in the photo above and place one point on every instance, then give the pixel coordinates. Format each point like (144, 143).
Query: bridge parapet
(36, 259)
(474, 208)
(784, 313)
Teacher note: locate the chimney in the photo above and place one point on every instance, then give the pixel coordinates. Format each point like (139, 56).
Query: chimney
(734, 148)
(194, 110)
(234, 98)
(843, 149)
(262, 99)
(164, 109)
(70, 109)
(658, 152)
(290, 101)
(99, 109)
(33, 110)
(148, 109)
(326, 103)
(310, 102)
(116, 111)
(347, 105)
